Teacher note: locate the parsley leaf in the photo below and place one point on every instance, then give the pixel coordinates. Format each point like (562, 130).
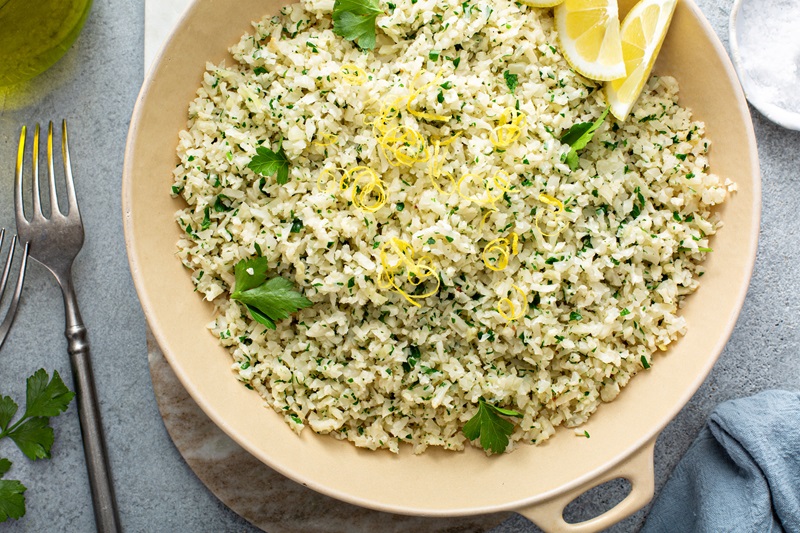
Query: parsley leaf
(266, 163)
(490, 427)
(12, 499)
(7, 411)
(578, 136)
(355, 21)
(46, 398)
(34, 438)
(267, 300)
(511, 80)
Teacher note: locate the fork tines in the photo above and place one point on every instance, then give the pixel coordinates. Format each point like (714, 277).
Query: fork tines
(11, 310)
(72, 202)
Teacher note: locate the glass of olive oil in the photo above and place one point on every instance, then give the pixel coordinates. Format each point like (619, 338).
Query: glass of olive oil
(34, 34)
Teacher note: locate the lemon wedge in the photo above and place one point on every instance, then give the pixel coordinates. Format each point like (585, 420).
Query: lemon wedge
(642, 33)
(588, 31)
(541, 3)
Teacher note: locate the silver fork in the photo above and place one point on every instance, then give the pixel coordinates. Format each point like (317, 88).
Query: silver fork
(54, 242)
(11, 312)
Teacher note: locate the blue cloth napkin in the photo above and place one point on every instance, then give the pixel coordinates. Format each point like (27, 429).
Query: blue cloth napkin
(742, 473)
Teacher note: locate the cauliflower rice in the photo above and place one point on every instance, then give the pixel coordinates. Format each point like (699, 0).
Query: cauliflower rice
(602, 285)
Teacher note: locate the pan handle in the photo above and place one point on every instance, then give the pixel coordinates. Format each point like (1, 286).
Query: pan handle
(637, 469)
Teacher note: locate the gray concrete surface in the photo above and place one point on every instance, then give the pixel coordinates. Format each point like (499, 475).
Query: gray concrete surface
(95, 87)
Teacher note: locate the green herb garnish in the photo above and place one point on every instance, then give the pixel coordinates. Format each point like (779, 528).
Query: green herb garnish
(645, 364)
(206, 218)
(355, 21)
(492, 429)
(44, 399)
(12, 495)
(297, 226)
(511, 81)
(575, 316)
(413, 358)
(267, 163)
(267, 300)
(578, 136)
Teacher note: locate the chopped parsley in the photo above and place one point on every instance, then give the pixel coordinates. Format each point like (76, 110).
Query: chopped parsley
(511, 80)
(413, 358)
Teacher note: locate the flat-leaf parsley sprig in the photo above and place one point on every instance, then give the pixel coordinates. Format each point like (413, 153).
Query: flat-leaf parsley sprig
(268, 300)
(578, 137)
(355, 21)
(492, 428)
(267, 163)
(44, 399)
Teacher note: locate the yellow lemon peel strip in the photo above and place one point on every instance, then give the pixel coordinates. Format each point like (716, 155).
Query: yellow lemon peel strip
(388, 113)
(554, 202)
(416, 92)
(489, 199)
(436, 163)
(365, 184)
(486, 216)
(406, 144)
(330, 138)
(501, 181)
(353, 74)
(508, 131)
(500, 249)
(512, 309)
(323, 173)
(417, 272)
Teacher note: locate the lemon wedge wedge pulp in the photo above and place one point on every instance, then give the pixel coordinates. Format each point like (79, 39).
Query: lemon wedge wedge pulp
(642, 33)
(589, 34)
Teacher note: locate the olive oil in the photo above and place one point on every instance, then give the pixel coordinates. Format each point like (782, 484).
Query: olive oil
(34, 34)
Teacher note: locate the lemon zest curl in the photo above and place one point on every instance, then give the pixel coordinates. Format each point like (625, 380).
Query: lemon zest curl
(365, 184)
(509, 129)
(512, 309)
(554, 202)
(503, 249)
(417, 271)
(353, 74)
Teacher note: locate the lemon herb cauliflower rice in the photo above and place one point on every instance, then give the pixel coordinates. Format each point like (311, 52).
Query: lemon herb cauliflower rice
(452, 250)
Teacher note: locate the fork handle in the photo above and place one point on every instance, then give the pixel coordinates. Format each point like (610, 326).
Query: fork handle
(94, 447)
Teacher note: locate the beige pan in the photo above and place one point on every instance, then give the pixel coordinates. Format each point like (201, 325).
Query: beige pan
(537, 482)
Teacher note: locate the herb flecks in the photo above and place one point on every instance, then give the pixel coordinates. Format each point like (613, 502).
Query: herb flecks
(488, 425)
(268, 300)
(355, 21)
(511, 80)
